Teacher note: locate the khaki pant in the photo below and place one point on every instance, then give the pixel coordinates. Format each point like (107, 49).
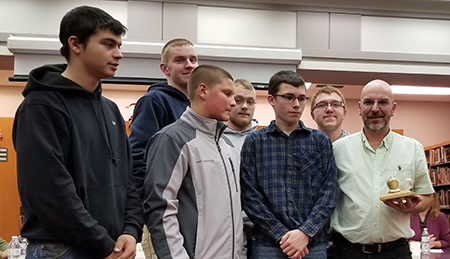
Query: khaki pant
(147, 245)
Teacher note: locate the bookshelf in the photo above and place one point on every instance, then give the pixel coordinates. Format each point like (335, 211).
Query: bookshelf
(438, 158)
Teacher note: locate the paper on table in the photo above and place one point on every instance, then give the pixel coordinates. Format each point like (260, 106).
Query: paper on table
(414, 246)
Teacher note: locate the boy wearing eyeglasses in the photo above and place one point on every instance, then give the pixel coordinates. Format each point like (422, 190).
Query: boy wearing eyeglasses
(241, 120)
(240, 124)
(288, 178)
(328, 111)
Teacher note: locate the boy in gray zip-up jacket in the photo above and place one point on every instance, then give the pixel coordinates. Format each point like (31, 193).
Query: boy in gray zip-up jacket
(192, 192)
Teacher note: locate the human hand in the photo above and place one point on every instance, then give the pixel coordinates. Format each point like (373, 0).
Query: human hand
(125, 248)
(127, 244)
(432, 241)
(294, 243)
(5, 254)
(405, 205)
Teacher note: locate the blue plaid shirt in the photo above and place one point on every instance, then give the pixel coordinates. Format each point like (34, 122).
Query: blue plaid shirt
(288, 182)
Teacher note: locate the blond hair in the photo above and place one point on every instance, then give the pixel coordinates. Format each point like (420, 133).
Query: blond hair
(435, 206)
(170, 44)
(328, 89)
(244, 83)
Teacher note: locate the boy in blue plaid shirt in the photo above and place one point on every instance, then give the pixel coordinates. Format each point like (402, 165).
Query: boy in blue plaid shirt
(288, 178)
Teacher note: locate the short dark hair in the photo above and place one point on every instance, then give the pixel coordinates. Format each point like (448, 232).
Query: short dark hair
(284, 76)
(209, 75)
(84, 21)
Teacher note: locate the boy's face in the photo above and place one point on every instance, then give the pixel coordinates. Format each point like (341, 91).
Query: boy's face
(101, 55)
(328, 117)
(220, 100)
(180, 63)
(242, 114)
(288, 113)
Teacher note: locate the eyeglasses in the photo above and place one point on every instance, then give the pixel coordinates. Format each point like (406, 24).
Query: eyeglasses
(250, 102)
(371, 103)
(290, 98)
(324, 105)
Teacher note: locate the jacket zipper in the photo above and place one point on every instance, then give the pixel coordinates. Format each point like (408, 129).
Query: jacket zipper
(234, 174)
(231, 199)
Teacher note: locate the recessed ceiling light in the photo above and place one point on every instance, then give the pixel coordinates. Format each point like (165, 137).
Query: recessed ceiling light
(422, 90)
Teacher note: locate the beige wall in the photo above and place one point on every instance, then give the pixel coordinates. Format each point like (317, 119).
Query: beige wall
(427, 122)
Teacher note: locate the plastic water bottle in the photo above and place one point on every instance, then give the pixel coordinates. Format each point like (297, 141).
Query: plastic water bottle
(14, 248)
(23, 247)
(425, 242)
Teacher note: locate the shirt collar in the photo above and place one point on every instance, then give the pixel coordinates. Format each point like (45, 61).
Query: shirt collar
(386, 142)
(272, 128)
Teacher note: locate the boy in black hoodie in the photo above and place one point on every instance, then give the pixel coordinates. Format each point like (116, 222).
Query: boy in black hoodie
(74, 164)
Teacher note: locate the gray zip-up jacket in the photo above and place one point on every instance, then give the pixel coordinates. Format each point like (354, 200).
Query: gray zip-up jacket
(192, 192)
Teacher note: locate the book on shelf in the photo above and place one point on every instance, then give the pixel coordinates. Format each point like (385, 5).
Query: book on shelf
(440, 175)
(434, 176)
(439, 155)
(444, 196)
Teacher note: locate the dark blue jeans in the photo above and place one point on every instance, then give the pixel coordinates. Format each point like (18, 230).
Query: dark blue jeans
(268, 252)
(38, 250)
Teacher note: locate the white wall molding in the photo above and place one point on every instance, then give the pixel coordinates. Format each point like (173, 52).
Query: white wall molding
(141, 59)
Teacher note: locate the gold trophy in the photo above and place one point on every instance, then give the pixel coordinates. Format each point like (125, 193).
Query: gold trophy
(395, 192)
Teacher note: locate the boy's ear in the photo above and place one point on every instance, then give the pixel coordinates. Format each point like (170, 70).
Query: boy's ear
(74, 44)
(202, 91)
(164, 69)
(271, 100)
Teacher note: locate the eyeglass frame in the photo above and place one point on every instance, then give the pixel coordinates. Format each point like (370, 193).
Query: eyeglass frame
(329, 104)
(293, 99)
(381, 103)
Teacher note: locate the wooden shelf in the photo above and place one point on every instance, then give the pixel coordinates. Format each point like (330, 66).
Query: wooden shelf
(447, 143)
(439, 164)
(442, 185)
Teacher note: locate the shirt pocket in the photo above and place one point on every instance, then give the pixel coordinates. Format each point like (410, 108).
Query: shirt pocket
(404, 174)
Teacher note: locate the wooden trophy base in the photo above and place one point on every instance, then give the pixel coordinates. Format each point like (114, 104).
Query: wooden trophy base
(399, 194)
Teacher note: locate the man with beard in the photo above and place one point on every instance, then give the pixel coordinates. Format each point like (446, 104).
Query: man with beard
(328, 111)
(365, 161)
(241, 123)
(241, 117)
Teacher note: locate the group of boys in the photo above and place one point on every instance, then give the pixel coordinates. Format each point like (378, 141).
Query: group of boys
(194, 154)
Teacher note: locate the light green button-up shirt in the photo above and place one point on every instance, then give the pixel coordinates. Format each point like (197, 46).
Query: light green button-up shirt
(360, 216)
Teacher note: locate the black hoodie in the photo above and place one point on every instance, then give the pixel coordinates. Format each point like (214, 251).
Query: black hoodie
(74, 165)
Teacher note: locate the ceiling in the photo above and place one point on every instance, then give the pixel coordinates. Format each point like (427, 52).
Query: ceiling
(351, 83)
(412, 8)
